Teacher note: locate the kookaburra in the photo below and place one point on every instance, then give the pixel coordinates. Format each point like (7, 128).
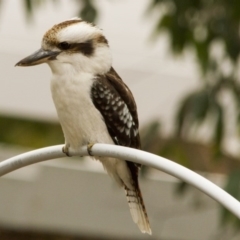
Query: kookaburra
(93, 104)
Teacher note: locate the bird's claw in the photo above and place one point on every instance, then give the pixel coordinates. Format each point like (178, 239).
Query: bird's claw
(89, 149)
(65, 150)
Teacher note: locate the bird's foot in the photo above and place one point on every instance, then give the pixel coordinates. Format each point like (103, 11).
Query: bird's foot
(89, 149)
(65, 149)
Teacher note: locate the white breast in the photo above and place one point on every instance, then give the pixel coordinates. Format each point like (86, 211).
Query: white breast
(81, 122)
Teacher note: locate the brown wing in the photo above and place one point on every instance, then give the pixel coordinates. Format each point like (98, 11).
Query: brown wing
(115, 102)
(125, 93)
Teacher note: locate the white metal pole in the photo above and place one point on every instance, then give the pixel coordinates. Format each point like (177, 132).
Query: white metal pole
(133, 155)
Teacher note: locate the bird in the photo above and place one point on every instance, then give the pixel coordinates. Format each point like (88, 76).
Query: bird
(93, 103)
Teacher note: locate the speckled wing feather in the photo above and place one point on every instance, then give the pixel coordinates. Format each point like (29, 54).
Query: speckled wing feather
(114, 100)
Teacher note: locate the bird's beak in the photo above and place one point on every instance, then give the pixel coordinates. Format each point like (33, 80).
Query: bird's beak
(38, 57)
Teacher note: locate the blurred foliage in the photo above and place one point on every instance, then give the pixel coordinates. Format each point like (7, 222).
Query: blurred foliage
(29, 133)
(193, 155)
(200, 24)
(211, 30)
(30, 6)
(87, 10)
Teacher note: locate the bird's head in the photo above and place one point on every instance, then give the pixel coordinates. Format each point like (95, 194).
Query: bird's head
(73, 44)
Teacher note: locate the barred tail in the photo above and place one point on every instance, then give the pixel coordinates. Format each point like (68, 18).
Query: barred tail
(138, 210)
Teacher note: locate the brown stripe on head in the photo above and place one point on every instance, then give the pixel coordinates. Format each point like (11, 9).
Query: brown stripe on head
(84, 39)
(86, 48)
(101, 39)
(50, 36)
(67, 23)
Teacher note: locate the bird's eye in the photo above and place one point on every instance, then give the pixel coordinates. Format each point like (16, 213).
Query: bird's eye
(64, 45)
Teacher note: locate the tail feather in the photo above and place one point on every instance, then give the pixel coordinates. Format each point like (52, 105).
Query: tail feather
(138, 210)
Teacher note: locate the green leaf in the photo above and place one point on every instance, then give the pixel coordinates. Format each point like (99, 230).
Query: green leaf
(88, 12)
(202, 51)
(183, 113)
(28, 7)
(149, 134)
(31, 5)
(219, 127)
(166, 22)
(29, 133)
(194, 109)
(200, 105)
